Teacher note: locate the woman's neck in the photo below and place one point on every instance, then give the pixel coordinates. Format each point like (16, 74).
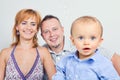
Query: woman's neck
(25, 44)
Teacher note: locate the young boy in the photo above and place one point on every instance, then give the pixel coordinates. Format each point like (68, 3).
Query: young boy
(86, 63)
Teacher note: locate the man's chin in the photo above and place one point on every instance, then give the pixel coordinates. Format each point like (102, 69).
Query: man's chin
(56, 46)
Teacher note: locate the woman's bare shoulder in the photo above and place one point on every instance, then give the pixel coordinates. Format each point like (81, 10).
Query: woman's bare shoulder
(42, 52)
(5, 52)
(42, 49)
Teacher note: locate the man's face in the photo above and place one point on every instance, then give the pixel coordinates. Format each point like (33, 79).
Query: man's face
(52, 32)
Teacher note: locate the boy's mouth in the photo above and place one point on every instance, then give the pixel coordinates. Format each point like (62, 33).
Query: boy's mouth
(86, 48)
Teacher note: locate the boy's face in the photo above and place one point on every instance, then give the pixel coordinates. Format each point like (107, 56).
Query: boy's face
(86, 37)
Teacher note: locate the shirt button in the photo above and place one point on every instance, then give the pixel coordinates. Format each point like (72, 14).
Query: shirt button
(58, 58)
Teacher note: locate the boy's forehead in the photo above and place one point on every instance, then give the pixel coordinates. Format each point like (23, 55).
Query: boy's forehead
(85, 24)
(86, 21)
(77, 27)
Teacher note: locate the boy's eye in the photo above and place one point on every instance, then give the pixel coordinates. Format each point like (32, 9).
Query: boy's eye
(81, 37)
(93, 38)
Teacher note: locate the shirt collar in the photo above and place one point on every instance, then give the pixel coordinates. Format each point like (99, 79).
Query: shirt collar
(91, 59)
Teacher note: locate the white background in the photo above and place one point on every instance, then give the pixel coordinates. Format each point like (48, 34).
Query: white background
(107, 11)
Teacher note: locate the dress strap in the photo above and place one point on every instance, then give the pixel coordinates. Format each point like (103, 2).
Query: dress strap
(34, 65)
(13, 51)
(17, 67)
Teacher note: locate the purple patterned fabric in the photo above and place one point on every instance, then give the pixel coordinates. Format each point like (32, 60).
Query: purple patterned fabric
(13, 71)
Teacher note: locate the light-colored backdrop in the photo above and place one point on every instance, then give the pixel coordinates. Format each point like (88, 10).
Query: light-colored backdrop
(107, 11)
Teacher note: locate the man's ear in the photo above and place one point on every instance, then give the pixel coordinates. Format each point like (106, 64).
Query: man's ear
(62, 29)
(41, 34)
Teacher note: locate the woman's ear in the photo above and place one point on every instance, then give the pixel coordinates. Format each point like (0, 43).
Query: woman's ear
(17, 28)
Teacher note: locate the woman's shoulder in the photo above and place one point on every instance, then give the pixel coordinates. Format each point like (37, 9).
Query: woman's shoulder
(43, 51)
(5, 53)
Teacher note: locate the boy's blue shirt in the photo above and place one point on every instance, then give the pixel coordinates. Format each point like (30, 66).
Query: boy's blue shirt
(96, 67)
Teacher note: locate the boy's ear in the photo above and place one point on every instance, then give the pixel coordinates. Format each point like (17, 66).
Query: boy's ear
(72, 40)
(101, 40)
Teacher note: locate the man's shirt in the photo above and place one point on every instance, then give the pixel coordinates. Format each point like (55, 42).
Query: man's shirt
(67, 49)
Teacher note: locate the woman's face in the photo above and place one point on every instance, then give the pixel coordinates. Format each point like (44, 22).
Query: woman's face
(27, 28)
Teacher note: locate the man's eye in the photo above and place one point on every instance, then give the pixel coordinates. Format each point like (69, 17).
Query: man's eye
(45, 32)
(54, 29)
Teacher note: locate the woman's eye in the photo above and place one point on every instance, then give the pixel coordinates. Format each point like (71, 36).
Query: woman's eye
(33, 24)
(23, 23)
